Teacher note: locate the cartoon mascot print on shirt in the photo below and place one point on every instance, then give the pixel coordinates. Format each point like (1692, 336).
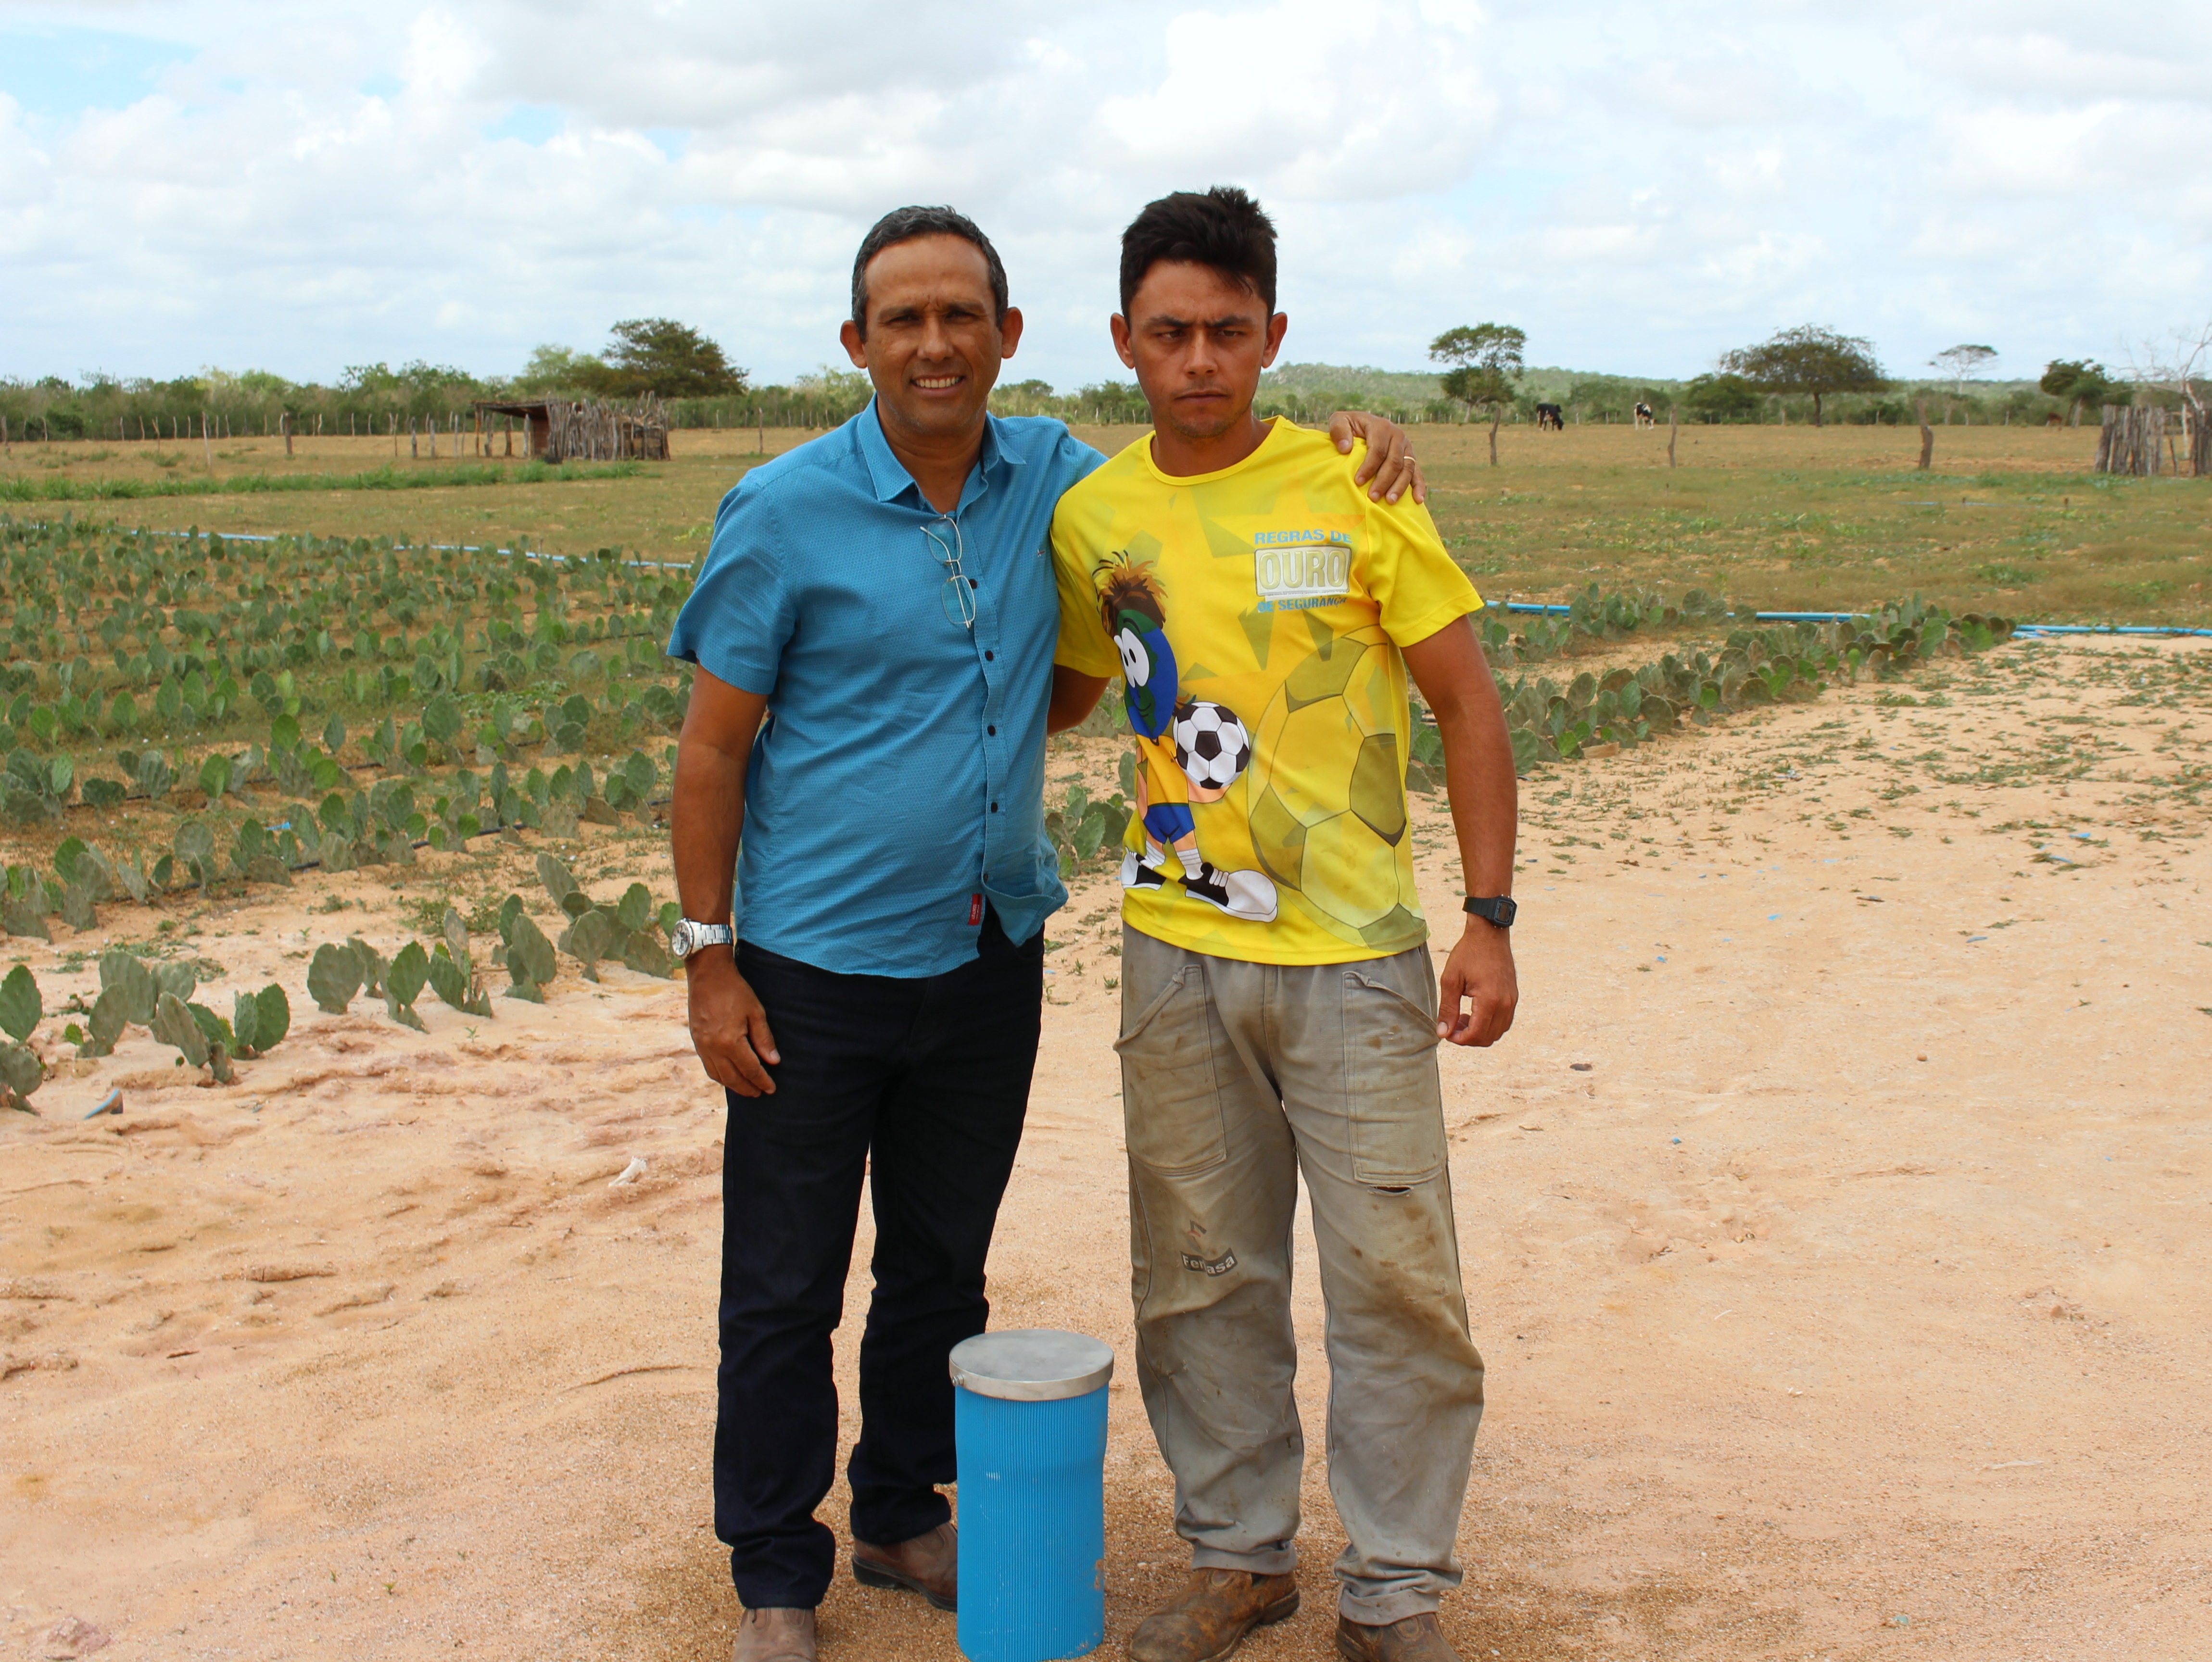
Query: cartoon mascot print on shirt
(1188, 751)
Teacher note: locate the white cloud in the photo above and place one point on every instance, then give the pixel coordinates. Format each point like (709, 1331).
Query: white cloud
(1637, 184)
(444, 56)
(2005, 149)
(1755, 172)
(1315, 99)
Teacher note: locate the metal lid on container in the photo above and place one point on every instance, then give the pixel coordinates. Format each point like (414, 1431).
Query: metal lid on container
(1032, 1364)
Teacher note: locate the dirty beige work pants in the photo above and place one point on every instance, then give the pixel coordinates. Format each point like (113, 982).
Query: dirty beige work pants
(1237, 1077)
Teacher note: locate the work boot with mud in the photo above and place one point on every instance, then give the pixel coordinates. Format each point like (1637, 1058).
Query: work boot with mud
(929, 1564)
(1416, 1639)
(1217, 1608)
(775, 1636)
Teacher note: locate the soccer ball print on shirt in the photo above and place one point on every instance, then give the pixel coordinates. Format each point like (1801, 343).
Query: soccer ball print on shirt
(1181, 756)
(1211, 746)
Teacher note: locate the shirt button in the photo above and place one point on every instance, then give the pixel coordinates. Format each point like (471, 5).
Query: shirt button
(992, 731)
(988, 657)
(994, 808)
(971, 582)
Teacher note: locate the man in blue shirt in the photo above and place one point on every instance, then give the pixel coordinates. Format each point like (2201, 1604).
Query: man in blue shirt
(874, 631)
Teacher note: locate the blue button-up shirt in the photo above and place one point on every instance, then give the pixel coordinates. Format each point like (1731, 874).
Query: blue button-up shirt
(898, 785)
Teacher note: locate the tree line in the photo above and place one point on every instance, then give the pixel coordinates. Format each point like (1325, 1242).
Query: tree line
(657, 355)
(1808, 373)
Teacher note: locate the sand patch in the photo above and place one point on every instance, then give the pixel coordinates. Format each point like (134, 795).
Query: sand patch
(1829, 1220)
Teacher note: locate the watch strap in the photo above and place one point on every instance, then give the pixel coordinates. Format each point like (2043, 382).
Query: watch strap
(702, 936)
(1498, 909)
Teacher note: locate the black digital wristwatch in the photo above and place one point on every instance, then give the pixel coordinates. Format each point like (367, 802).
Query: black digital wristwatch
(1498, 909)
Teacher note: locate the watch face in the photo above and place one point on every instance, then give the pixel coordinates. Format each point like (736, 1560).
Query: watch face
(679, 938)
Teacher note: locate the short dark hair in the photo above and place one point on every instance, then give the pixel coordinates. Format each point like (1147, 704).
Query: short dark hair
(905, 225)
(1223, 228)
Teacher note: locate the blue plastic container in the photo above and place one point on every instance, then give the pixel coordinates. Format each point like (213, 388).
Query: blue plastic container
(1030, 1419)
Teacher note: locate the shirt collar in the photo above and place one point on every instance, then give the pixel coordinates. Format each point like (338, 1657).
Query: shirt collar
(891, 480)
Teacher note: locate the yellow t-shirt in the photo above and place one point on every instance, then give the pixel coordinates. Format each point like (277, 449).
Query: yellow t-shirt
(1255, 617)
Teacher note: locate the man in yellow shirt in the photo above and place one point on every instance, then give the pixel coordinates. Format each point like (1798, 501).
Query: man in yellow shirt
(1280, 1013)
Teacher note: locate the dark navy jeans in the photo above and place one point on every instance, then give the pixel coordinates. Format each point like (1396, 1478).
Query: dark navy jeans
(921, 1084)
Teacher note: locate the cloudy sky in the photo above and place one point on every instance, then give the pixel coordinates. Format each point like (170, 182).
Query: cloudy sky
(1638, 185)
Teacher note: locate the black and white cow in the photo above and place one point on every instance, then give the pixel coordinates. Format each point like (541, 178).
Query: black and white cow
(1548, 417)
(1644, 417)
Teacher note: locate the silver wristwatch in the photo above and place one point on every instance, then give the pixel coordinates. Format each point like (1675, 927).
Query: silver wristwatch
(687, 938)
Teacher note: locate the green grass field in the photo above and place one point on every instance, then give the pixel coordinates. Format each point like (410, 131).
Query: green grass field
(2010, 519)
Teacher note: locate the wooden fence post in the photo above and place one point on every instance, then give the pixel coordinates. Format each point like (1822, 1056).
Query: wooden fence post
(284, 422)
(1673, 431)
(1927, 434)
(414, 442)
(206, 443)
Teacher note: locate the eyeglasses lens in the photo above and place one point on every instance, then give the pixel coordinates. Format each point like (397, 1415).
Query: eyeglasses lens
(958, 596)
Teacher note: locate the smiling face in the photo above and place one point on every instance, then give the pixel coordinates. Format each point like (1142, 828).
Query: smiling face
(934, 345)
(1197, 341)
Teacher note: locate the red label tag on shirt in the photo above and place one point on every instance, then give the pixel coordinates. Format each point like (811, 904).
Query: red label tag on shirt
(975, 910)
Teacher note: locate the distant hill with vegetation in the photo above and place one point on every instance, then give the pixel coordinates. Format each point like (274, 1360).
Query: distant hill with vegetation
(1303, 389)
(1309, 378)
(1539, 381)
(1308, 391)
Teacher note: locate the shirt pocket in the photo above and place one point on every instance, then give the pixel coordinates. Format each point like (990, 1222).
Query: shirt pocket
(1392, 1098)
(1172, 1109)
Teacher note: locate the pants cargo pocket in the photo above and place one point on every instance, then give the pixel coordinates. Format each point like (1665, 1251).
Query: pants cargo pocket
(1171, 1107)
(1392, 1098)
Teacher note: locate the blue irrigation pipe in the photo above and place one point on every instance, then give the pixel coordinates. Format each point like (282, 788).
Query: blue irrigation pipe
(2104, 629)
(411, 548)
(2155, 629)
(2017, 628)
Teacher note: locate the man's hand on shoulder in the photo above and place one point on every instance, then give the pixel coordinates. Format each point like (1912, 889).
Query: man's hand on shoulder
(729, 1029)
(1389, 470)
(1480, 971)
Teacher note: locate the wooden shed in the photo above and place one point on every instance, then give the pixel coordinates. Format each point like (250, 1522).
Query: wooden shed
(566, 430)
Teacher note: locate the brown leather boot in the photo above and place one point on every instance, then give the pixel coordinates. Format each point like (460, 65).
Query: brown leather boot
(775, 1636)
(928, 1564)
(1416, 1639)
(1217, 1608)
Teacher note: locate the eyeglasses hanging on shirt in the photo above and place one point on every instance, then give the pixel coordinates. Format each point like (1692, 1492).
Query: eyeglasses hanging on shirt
(958, 594)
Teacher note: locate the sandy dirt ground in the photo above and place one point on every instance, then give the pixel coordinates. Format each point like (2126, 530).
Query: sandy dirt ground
(1835, 1222)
